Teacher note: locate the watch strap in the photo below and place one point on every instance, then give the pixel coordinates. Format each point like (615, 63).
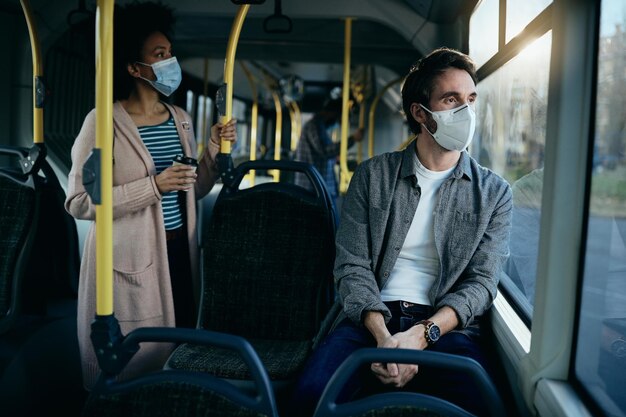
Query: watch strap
(427, 325)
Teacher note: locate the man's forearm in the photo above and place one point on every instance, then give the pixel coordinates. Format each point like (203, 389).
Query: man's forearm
(374, 321)
(446, 319)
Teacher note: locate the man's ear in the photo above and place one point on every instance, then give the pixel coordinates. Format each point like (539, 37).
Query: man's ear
(418, 113)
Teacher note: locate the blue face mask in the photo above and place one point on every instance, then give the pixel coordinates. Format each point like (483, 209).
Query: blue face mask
(168, 75)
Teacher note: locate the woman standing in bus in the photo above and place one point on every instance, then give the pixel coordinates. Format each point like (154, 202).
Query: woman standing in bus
(156, 277)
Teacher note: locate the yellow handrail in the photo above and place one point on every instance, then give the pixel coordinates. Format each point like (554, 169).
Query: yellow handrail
(104, 143)
(373, 111)
(296, 124)
(229, 67)
(278, 133)
(361, 91)
(359, 149)
(38, 88)
(344, 174)
(292, 123)
(254, 119)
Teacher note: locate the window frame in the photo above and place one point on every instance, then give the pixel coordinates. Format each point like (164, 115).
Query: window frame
(545, 371)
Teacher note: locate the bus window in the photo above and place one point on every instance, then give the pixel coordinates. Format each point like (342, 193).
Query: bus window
(189, 106)
(203, 125)
(241, 147)
(483, 43)
(600, 361)
(510, 139)
(520, 13)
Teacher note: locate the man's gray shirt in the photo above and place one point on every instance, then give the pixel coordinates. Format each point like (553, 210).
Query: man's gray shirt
(472, 221)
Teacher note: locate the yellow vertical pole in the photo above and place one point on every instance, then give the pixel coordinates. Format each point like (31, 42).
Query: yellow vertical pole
(296, 108)
(253, 139)
(104, 142)
(344, 173)
(278, 133)
(359, 149)
(293, 124)
(38, 93)
(229, 67)
(254, 119)
(296, 121)
(372, 112)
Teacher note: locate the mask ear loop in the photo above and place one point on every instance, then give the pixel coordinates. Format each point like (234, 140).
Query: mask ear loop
(139, 73)
(423, 124)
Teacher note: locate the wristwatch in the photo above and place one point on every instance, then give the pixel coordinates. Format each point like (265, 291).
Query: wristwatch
(431, 332)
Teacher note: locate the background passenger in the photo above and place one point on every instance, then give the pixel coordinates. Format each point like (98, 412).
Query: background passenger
(154, 213)
(422, 240)
(318, 149)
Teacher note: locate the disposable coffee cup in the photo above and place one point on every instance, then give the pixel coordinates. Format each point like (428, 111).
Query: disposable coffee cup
(185, 160)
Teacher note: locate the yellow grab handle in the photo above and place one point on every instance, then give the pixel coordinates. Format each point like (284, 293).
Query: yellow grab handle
(344, 173)
(278, 133)
(370, 141)
(229, 67)
(296, 122)
(359, 150)
(38, 87)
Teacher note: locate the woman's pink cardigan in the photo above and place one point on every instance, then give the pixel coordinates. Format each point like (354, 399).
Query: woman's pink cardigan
(142, 288)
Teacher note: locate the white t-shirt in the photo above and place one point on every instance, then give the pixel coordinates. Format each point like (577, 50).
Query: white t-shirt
(417, 265)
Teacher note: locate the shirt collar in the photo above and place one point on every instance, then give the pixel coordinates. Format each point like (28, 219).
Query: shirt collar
(409, 165)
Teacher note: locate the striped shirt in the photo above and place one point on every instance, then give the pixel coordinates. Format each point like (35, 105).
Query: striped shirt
(163, 144)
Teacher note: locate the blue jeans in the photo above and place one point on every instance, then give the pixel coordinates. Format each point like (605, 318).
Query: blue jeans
(347, 338)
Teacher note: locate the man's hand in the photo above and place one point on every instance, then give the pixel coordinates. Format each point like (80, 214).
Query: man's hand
(395, 374)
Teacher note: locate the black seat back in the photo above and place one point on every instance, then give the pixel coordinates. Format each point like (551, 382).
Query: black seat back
(175, 393)
(18, 206)
(269, 256)
(39, 261)
(400, 404)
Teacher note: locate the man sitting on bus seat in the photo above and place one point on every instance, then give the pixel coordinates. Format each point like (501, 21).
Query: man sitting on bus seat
(422, 240)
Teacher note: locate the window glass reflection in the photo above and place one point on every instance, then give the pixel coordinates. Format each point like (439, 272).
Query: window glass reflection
(510, 139)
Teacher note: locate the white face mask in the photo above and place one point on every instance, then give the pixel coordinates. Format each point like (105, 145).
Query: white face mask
(455, 128)
(168, 75)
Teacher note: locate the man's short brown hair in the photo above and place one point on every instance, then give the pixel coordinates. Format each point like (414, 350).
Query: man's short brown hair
(419, 83)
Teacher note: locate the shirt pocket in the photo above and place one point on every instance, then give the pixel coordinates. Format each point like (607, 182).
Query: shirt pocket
(137, 295)
(466, 235)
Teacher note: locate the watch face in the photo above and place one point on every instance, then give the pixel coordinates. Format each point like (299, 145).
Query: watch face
(434, 333)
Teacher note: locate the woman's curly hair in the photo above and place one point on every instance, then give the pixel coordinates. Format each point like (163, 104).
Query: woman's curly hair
(134, 23)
